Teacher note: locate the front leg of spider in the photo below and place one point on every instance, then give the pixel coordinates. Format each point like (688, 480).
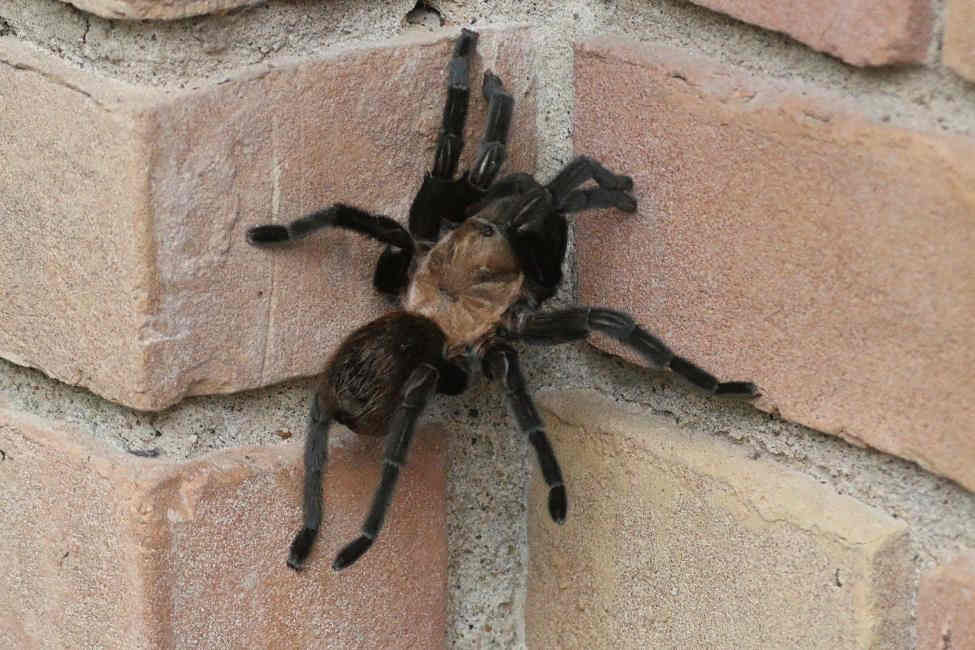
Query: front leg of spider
(441, 195)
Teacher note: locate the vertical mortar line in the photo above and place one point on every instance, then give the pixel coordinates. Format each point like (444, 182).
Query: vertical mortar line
(939, 9)
(554, 107)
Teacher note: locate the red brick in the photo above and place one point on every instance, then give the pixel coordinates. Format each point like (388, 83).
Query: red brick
(122, 231)
(875, 32)
(155, 10)
(946, 606)
(785, 240)
(959, 47)
(104, 549)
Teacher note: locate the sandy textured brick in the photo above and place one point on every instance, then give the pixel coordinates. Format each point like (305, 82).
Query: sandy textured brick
(156, 10)
(677, 540)
(122, 226)
(946, 606)
(959, 47)
(104, 549)
(873, 32)
(784, 240)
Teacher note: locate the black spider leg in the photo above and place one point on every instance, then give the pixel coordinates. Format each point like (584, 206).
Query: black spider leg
(577, 322)
(538, 234)
(417, 390)
(492, 151)
(501, 361)
(316, 455)
(439, 192)
(612, 190)
(596, 197)
(379, 227)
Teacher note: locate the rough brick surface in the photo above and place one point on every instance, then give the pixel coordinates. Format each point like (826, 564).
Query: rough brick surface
(108, 550)
(873, 32)
(677, 540)
(122, 229)
(959, 47)
(946, 606)
(71, 222)
(156, 10)
(781, 239)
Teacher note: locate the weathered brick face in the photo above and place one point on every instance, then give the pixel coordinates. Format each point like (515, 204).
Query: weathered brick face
(678, 540)
(946, 605)
(959, 45)
(152, 10)
(874, 32)
(104, 549)
(783, 239)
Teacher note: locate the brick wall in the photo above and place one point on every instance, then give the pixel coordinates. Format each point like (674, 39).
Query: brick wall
(807, 215)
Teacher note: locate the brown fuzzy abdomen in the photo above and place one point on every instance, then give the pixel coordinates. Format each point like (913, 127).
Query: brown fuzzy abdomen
(362, 383)
(466, 282)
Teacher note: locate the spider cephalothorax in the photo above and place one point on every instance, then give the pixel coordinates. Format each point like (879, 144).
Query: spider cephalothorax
(466, 296)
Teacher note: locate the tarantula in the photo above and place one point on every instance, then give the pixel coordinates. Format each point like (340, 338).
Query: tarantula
(467, 296)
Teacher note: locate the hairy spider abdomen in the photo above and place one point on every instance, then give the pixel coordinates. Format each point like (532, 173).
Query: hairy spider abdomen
(361, 387)
(467, 282)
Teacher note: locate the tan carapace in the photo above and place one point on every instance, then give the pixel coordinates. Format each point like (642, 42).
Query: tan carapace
(467, 282)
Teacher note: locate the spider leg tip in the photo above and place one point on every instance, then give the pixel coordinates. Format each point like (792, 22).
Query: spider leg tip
(348, 555)
(301, 547)
(558, 504)
(743, 389)
(627, 204)
(267, 235)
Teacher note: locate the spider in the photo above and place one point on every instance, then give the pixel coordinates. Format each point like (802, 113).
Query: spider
(465, 298)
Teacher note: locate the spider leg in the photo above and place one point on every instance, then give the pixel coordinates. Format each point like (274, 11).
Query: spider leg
(440, 193)
(538, 234)
(597, 197)
(377, 226)
(416, 392)
(580, 170)
(316, 455)
(394, 263)
(451, 139)
(501, 361)
(577, 322)
(492, 150)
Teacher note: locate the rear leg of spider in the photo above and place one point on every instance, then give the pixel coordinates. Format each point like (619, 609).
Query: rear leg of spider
(577, 322)
(501, 362)
(316, 455)
(416, 392)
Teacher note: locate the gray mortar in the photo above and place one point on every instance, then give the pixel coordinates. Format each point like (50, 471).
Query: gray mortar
(488, 463)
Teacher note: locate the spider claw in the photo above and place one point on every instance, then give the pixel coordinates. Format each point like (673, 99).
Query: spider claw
(301, 547)
(557, 504)
(267, 235)
(624, 183)
(351, 553)
(625, 202)
(744, 389)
